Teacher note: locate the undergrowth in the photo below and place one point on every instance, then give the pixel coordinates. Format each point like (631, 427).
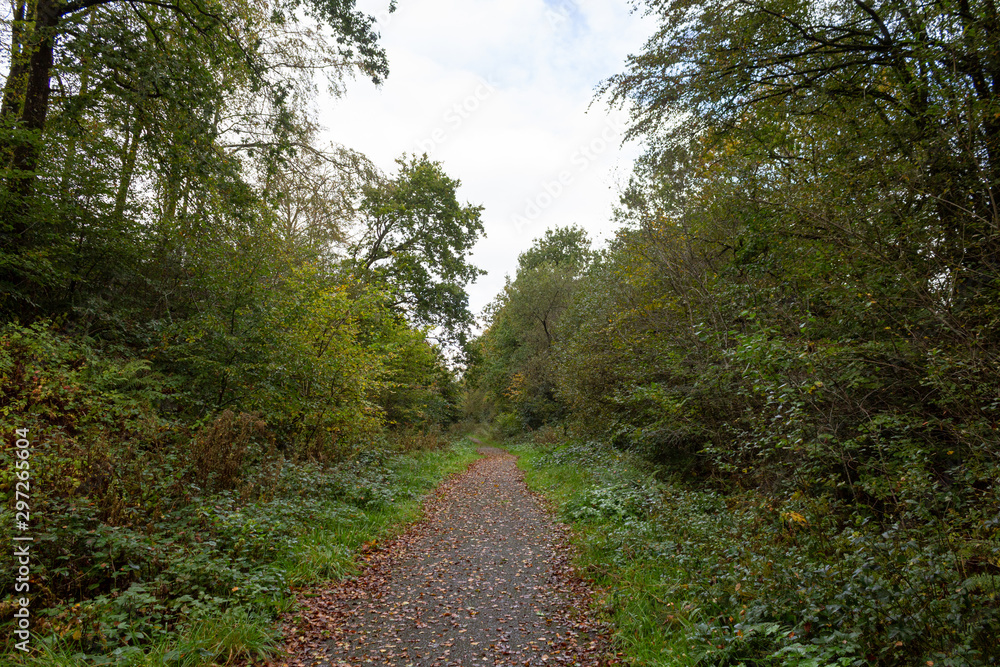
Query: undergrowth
(697, 577)
(162, 543)
(205, 582)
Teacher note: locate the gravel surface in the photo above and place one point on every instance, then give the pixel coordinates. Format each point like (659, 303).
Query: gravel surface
(485, 579)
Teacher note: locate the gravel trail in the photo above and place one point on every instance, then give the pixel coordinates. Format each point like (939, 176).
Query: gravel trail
(485, 579)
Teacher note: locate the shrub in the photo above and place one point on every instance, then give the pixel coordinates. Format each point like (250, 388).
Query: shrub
(507, 424)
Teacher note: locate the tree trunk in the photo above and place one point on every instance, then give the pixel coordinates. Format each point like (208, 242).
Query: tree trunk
(14, 86)
(36, 98)
(134, 134)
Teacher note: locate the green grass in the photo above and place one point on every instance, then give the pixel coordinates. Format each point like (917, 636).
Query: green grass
(217, 639)
(294, 540)
(651, 627)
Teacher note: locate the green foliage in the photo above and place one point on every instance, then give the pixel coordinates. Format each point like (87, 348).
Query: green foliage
(420, 391)
(166, 122)
(160, 544)
(415, 239)
(562, 246)
(513, 359)
(860, 486)
(695, 577)
(172, 202)
(174, 208)
(507, 424)
(306, 357)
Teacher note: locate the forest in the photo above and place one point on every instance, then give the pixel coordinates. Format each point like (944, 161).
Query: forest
(768, 407)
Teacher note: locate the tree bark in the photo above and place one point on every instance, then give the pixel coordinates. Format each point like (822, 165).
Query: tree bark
(14, 85)
(36, 98)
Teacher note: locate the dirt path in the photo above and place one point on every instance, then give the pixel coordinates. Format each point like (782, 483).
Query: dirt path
(484, 580)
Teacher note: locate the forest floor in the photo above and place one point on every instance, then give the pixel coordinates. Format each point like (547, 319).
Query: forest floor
(484, 579)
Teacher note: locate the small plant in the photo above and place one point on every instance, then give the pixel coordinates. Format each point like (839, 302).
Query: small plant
(416, 439)
(612, 503)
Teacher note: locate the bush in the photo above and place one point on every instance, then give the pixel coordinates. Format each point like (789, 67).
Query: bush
(507, 425)
(221, 451)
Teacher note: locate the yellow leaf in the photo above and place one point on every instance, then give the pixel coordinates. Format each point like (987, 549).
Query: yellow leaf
(794, 517)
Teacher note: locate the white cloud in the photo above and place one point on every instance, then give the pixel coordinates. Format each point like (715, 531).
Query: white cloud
(499, 93)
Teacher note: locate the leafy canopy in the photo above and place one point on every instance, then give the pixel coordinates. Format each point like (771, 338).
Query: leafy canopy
(414, 236)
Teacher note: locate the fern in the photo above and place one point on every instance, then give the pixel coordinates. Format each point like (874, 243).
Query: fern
(112, 375)
(983, 583)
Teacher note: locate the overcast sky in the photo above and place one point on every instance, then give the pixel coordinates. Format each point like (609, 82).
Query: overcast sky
(500, 92)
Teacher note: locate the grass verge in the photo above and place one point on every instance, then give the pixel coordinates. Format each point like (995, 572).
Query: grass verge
(648, 628)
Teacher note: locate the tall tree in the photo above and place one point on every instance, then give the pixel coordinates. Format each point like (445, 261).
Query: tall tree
(515, 353)
(192, 80)
(907, 93)
(413, 235)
